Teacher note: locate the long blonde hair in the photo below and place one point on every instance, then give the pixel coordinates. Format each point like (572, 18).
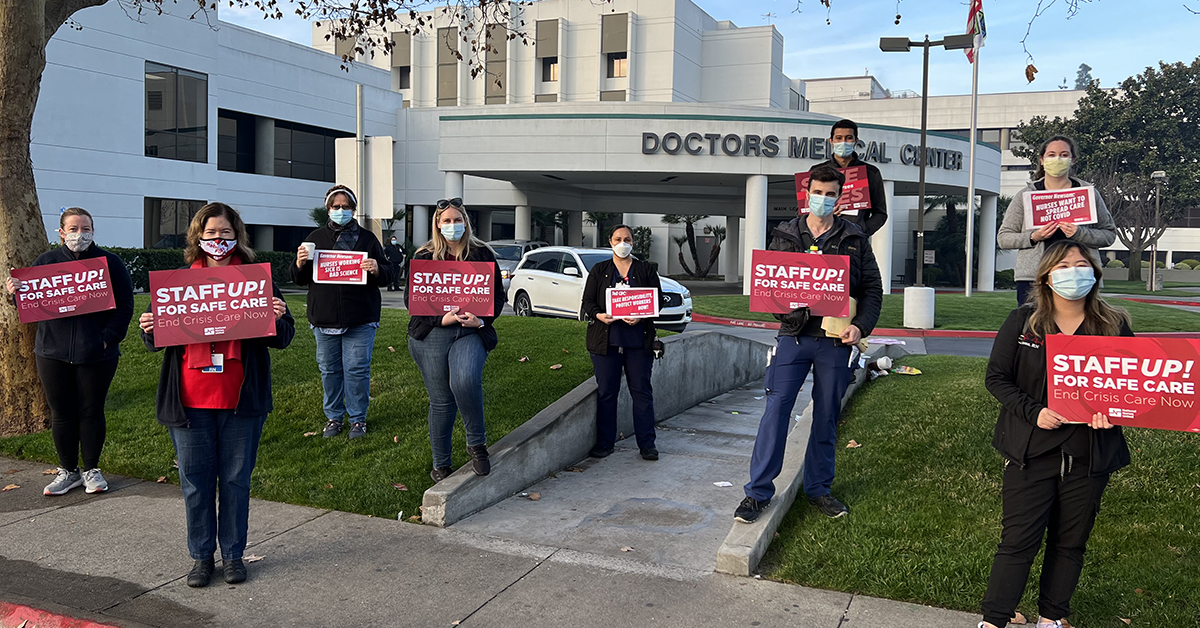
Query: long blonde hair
(1099, 318)
(196, 230)
(440, 247)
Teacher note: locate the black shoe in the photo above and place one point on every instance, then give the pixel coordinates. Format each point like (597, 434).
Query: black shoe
(649, 453)
(479, 460)
(440, 473)
(201, 573)
(829, 506)
(749, 509)
(235, 571)
(597, 452)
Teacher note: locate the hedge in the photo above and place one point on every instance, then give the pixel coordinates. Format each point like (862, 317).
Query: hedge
(1115, 263)
(1191, 263)
(141, 261)
(1004, 279)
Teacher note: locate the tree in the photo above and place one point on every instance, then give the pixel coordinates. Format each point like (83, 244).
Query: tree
(1084, 77)
(1126, 134)
(689, 223)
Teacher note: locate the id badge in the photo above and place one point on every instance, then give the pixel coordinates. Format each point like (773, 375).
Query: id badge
(218, 364)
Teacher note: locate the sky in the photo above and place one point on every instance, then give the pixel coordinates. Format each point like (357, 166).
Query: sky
(1117, 38)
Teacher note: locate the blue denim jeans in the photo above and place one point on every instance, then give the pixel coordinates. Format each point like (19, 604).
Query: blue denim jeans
(216, 453)
(345, 363)
(451, 361)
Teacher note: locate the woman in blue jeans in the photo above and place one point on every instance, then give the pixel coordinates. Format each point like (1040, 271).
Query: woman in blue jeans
(450, 350)
(214, 398)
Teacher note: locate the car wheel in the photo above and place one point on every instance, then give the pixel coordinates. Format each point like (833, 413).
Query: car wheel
(522, 306)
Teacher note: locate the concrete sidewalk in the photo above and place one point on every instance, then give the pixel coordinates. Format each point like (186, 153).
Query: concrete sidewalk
(120, 558)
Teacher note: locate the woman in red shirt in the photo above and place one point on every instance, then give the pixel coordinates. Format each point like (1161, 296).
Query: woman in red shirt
(214, 398)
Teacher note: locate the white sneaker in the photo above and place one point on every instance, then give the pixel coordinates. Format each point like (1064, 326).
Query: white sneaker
(63, 482)
(94, 482)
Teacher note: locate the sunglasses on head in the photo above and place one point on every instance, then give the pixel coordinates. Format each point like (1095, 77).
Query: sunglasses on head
(450, 202)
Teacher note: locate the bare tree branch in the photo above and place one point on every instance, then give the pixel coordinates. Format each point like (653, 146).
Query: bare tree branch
(59, 11)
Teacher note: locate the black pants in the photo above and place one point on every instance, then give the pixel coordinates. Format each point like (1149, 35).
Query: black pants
(1056, 498)
(76, 394)
(637, 364)
(1023, 289)
(398, 268)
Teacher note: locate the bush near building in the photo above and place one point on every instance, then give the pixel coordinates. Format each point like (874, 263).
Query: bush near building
(141, 261)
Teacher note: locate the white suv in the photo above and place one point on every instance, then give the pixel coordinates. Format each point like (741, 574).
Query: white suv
(549, 281)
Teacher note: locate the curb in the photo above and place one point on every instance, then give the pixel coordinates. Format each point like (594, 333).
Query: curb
(923, 333)
(746, 544)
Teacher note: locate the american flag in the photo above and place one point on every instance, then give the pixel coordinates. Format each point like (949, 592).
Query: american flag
(976, 27)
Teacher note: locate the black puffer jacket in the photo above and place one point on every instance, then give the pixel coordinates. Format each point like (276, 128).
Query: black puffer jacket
(595, 301)
(1016, 377)
(87, 338)
(845, 238)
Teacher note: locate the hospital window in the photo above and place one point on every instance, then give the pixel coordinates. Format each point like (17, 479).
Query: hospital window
(176, 113)
(550, 70)
(618, 65)
(166, 222)
(447, 68)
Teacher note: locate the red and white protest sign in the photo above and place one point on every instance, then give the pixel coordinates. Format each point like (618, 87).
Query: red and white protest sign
(64, 289)
(1073, 206)
(339, 267)
(1139, 382)
(194, 305)
(856, 193)
(436, 287)
(633, 302)
(782, 282)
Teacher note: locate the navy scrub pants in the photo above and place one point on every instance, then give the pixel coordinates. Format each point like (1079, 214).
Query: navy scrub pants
(794, 356)
(637, 364)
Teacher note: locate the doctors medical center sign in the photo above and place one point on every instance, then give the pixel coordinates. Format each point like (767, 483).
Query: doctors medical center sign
(817, 148)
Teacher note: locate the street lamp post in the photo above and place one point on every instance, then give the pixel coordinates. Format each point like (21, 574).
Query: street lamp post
(904, 44)
(1159, 178)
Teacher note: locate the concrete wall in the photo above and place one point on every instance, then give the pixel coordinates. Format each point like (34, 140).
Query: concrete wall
(697, 366)
(1168, 275)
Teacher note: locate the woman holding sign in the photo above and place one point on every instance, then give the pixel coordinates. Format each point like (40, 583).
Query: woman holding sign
(343, 308)
(1057, 155)
(621, 344)
(450, 350)
(214, 398)
(77, 358)
(1055, 469)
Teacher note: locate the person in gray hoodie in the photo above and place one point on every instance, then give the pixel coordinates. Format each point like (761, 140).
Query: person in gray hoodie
(1054, 173)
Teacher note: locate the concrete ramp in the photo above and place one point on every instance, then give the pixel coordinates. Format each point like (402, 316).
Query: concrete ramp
(668, 512)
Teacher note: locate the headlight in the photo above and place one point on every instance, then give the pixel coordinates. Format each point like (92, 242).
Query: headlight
(687, 294)
(505, 274)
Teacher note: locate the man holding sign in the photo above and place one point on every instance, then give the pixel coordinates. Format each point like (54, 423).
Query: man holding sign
(871, 198)
(804, 344)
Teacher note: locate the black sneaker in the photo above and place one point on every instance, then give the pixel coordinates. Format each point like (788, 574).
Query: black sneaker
(649, 453)
(235, 571)
(440, 473)
(479, 460)
(332, 428)
(829, 506)
(749, 510)
(201, 573)
(597, 452)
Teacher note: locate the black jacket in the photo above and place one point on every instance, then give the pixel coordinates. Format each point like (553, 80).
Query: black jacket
(394, 254)
(595, 301)
(1016, 377)
(338, 305)
(845, 238)
(254, 400)
(872, 219)
(420, 326)
(87, 338)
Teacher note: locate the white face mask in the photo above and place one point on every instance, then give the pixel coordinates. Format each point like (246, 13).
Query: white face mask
(622, 249)
(78, 242)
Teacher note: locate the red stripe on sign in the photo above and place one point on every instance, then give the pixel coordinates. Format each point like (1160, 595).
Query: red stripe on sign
(16, 615)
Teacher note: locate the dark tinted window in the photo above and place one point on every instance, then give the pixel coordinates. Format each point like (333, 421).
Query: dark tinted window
(176, 113)
(549, 262)
(305, 152)
(531, 262)
(591, 259)
(568, 261)
(507, 251)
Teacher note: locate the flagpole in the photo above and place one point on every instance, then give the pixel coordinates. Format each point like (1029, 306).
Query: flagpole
(971, 168)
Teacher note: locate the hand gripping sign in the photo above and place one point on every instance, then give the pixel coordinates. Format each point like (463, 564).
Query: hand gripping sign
(856, 193)
(436, 287)
(1138, 382)
(64, 289)
(782, 282)
(195, 305)
(1072, 206)
(632, 302)
(344, 267)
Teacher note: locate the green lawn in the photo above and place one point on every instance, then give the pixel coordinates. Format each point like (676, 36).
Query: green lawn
(924, 494)
(982, 311)
(355, 476)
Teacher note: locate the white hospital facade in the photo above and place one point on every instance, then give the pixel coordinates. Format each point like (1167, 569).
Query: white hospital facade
(637, 108)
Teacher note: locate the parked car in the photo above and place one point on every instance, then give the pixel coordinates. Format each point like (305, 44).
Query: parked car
(549, 282)
(509, 253)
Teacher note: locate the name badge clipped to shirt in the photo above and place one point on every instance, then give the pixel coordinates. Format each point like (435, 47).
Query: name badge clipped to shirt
(218, 364)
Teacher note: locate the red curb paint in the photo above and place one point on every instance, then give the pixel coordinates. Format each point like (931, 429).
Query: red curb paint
(1162, 302)
(915, 333)
(14, 615)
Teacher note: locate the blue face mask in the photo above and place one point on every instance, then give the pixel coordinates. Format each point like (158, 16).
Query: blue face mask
(340, 216)
(821, 206)
(454, 232)
(1073, 283)
(843, 149)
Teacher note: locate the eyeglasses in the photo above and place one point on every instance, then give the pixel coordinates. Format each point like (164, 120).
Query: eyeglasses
(448, 202)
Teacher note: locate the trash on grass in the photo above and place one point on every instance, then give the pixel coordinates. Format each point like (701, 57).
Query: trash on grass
(307, 434)
(555, 367)
(853, 444)
(906, 370)
(523, 358)
(400, 487)
(392, 349)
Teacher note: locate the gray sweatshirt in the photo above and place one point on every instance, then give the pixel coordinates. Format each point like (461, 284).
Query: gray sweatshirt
(1014, 234)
